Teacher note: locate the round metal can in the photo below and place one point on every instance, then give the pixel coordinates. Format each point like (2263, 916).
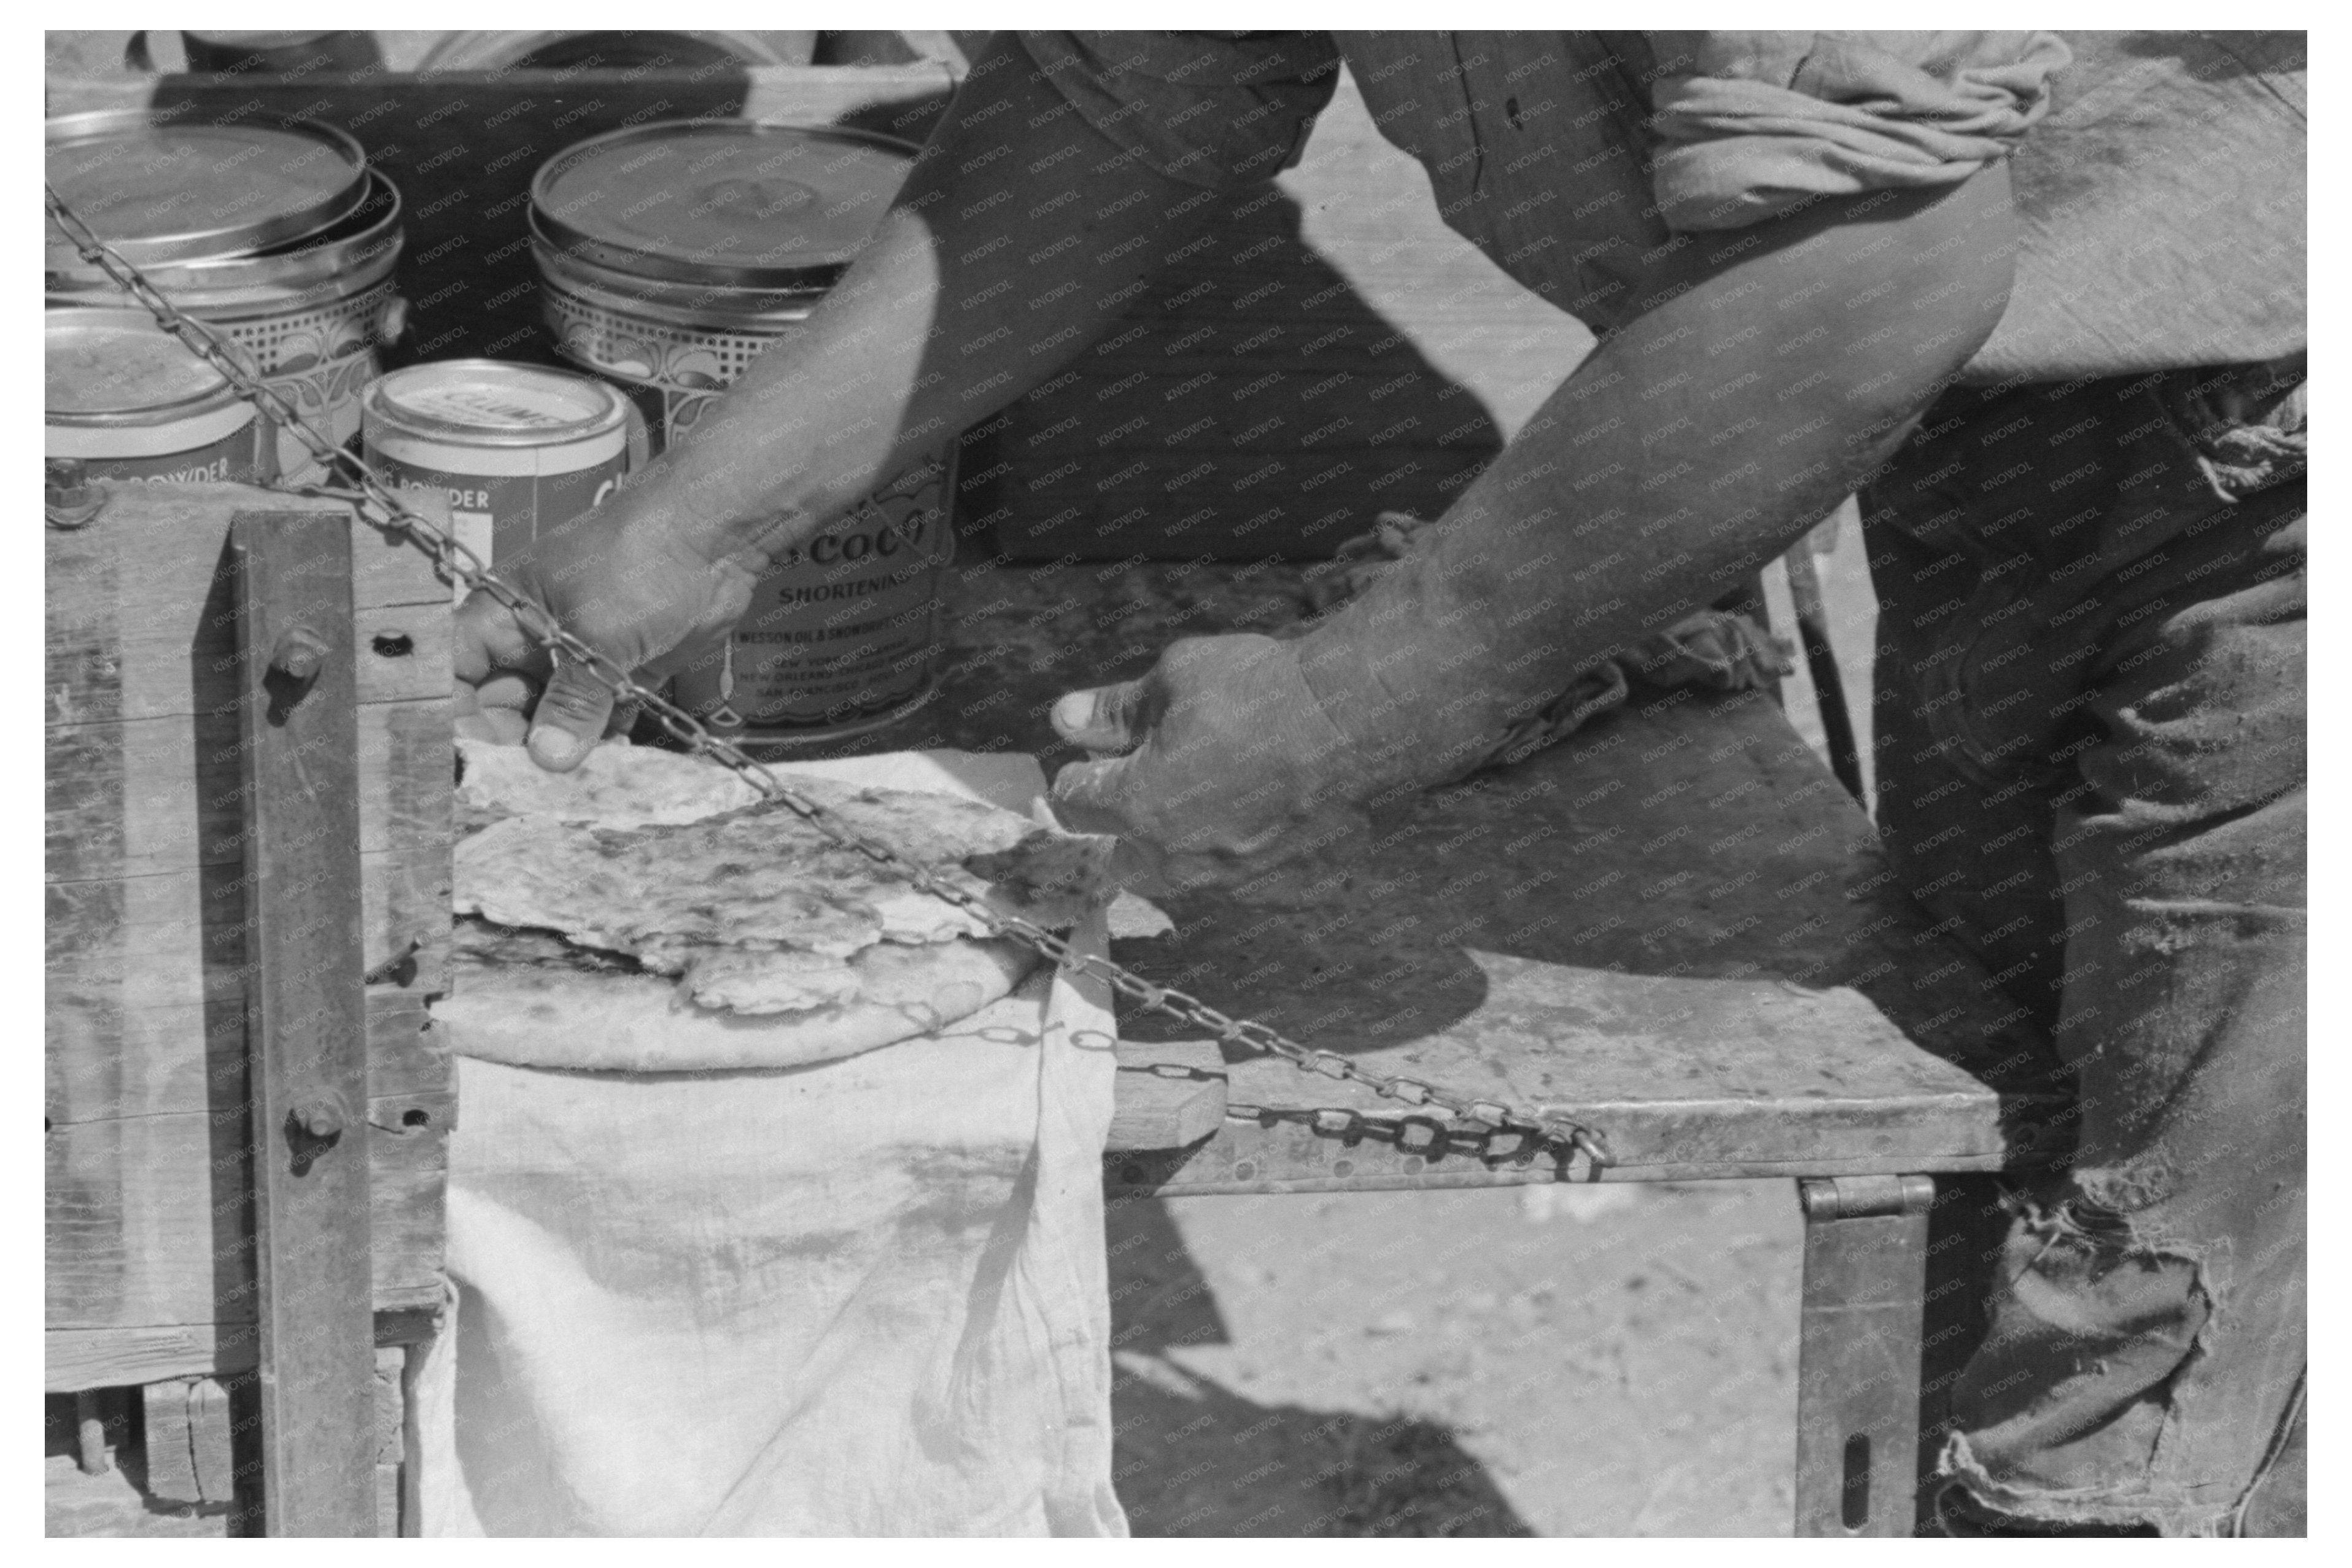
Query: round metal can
(313, 310)
(518, 449)
(672, 255)
(132, 403)
(843, 636)
(160, 188)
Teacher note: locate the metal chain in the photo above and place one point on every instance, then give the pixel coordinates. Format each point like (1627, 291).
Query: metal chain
(378, 505)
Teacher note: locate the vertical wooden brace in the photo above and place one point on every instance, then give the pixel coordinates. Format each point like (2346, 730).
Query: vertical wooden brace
(1858, 1353)
(306, 1022)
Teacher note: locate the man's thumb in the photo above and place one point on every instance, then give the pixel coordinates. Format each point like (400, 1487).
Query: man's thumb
(570, 719)
(1102, 719)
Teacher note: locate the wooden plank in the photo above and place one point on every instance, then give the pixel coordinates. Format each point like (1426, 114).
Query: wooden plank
(406, 1056)
(306, 1023)
(391, 1411)
(412, 1324)
(146, 973)
(822, 94)
(1690, 836)
(1858, 1354)
(404, 652)
(136, 1236)
(131, 995)
(153, 795)
(170, 1462)
(155, 1357)
(134, 636)
(1170, 1095)
(1678, 1069)
(189, 1459)
(77, 1359)
(1687, 1080)
(403, 656)
(119, 945)
(1246, 1159)
(189, 1055)
(138, 609)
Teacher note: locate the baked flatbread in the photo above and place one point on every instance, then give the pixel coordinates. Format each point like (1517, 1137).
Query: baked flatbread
(615, 786)
(638, 914)
(616, 1021)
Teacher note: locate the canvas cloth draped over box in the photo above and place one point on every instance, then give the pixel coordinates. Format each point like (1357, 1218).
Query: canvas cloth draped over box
(863, 1297)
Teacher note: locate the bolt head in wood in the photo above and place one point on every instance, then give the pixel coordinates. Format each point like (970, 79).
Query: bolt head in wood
(67, 494)
(298, 654)
(319, 1118)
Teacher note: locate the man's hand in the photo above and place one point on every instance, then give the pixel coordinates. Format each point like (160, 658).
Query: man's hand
(629, 586)
(1796, 358)
(1226, 769)
(941, 321)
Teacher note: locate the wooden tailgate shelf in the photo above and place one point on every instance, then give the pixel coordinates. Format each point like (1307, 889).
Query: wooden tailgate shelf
(151, 1248)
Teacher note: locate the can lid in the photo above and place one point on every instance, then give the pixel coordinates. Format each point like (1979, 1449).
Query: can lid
(118, 367)
(727, 201)
(162, 192)
(348, 257)
(492, 402)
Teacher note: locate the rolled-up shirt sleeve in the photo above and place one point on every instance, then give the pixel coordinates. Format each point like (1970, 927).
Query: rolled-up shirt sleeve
(1748, 125)
(1212, 110)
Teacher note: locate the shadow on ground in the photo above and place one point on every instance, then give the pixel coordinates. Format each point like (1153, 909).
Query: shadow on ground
(1195, 1459)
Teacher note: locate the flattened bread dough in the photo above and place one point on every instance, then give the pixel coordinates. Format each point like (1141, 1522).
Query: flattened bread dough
(547, 1015)
(615, 786)
(639, 915)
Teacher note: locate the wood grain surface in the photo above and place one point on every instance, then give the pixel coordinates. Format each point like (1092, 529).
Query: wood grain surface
(1675, 923)
(148, 1218)
(145, 1079)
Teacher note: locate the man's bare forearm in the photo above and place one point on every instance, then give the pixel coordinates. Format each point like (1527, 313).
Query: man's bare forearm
(1687, 451)
(1021, 234)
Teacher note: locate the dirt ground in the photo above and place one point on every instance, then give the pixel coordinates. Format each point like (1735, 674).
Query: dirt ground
(1547, 1361)
(1554, 1361)
(1544, 1361)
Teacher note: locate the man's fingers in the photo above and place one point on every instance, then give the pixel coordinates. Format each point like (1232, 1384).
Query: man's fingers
(484, 637)
(515, 691)
(570, 719)
(1087, 796)
(1102, 719)
(498, 726)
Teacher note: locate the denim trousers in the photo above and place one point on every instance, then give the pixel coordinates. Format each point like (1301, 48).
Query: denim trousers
(2089, 721)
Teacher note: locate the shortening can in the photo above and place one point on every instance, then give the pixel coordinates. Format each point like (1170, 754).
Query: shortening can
(519, 449)
(672, 255)
(842, 634)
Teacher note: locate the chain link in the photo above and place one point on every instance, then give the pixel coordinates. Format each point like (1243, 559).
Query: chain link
(378, 505)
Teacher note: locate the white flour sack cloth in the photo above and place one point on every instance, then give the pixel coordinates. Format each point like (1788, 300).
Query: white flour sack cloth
(866, 1296)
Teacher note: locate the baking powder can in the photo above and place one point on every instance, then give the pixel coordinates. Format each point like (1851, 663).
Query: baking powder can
(132, 402)
(518, 450)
